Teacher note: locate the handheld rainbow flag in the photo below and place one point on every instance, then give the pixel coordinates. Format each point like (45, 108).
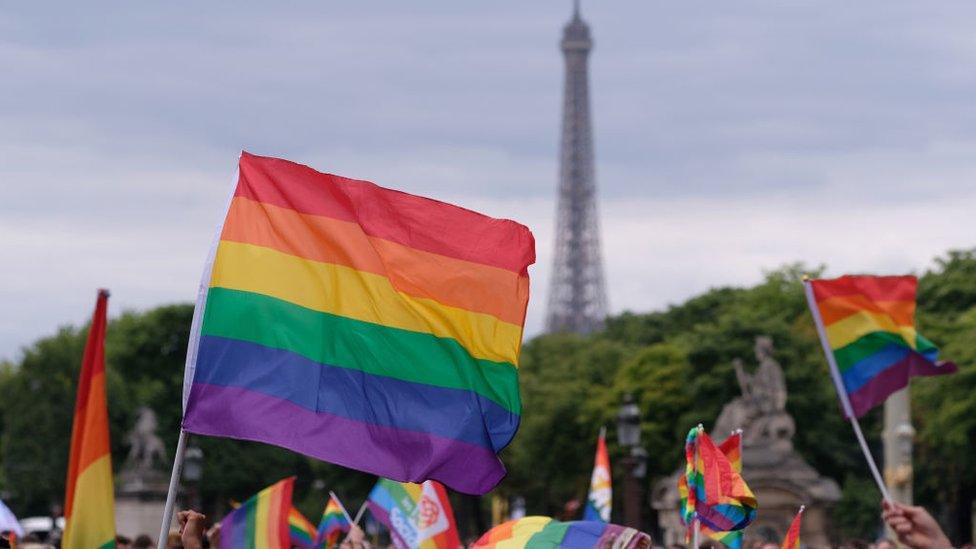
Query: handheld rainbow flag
(792, 539)
(717, 496)
(867, 327)
(732, 448)
(89, 488)
(366, 320)
(333, 524)
(300, 530)
(601, 491)
(417, 515)
(261, 522)
(546, 533)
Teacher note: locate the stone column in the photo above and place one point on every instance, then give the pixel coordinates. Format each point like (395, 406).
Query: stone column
(898, 437)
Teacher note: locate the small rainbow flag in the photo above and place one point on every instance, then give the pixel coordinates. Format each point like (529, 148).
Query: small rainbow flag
(867, 327)
(732, 448)
(332, 525)
(601, 491)
(716, 494)
(89, 487)
(418, 515)
(365, 319)
(261, 522)
(300, 530)
(792, 539)
(547, 533)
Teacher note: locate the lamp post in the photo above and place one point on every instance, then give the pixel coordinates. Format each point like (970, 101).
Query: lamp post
(193, 472)
(634, 462)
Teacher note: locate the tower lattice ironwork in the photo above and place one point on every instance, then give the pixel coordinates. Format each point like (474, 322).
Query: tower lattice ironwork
(578, 296)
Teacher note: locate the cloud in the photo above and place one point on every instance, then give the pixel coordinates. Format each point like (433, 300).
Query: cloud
(729, 139)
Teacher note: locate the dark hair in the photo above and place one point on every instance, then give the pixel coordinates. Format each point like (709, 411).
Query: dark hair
(143, 542)
(122, 540)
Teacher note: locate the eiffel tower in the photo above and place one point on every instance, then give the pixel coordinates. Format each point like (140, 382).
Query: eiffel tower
(577, 292)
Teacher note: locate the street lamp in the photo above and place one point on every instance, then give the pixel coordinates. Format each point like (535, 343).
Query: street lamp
(634, 462)
(193, 472)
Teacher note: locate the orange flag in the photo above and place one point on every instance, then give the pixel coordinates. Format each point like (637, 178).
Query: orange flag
(89, 501)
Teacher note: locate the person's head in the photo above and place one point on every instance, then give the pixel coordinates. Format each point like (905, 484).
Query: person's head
(769, 545)
(884, 543)
(143, 542)
(122, 542)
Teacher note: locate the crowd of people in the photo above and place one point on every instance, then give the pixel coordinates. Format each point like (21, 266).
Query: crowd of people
(914, 528)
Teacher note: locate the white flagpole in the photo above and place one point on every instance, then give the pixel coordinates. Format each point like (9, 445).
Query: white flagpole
(341, 506)
(696, 524)
(841, 391)
(695, 532)
(359, 513)
(174, 486)
(191, 363)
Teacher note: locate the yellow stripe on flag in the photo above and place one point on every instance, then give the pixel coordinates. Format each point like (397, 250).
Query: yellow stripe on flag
(92, 522)
(847, 331)
(343, 291)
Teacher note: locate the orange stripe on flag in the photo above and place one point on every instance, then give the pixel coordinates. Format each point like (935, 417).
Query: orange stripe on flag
(455, 282)
(838, 308)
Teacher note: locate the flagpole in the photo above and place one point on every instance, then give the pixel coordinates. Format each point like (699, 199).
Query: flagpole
(359, 513)
(841, 391)
(174, 486)
(341, 506)
(695, 532)
(189, 368)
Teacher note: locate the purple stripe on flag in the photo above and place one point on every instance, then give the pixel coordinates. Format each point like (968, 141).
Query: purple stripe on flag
(895, 378)
(398, 454)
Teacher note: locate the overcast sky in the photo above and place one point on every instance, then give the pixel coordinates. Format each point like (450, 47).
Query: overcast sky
(731, 138)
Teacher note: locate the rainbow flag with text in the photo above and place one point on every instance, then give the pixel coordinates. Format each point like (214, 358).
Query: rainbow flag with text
(384, 329)
(600, 498)
(419, 516)
(867, 327)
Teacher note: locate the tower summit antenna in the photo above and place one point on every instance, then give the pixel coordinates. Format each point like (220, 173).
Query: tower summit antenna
(577, 293)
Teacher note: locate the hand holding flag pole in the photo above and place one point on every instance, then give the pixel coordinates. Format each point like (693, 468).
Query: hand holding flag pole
(841, 391)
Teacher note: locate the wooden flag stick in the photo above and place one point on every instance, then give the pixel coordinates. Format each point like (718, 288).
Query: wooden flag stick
(845, 401)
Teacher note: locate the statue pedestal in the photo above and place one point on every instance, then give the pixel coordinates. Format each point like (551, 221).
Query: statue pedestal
(780, 479)
(139, 501)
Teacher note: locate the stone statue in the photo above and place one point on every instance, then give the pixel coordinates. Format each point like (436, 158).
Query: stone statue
(761, 410)
(777, 474)
(144, 445)
(766, 388)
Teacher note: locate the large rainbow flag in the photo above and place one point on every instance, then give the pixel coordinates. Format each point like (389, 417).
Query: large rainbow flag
(332, 525)
(261, 522)
(419, 516)
(600, 498)
(382, 328)
(89, 491)
(867, 327)
(300, 530)
(547, 533)
(731, 447)
(717, 496)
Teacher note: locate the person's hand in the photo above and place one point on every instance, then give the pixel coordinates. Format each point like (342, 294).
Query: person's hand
(192, 528)
(914, 526)
(213, 536)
